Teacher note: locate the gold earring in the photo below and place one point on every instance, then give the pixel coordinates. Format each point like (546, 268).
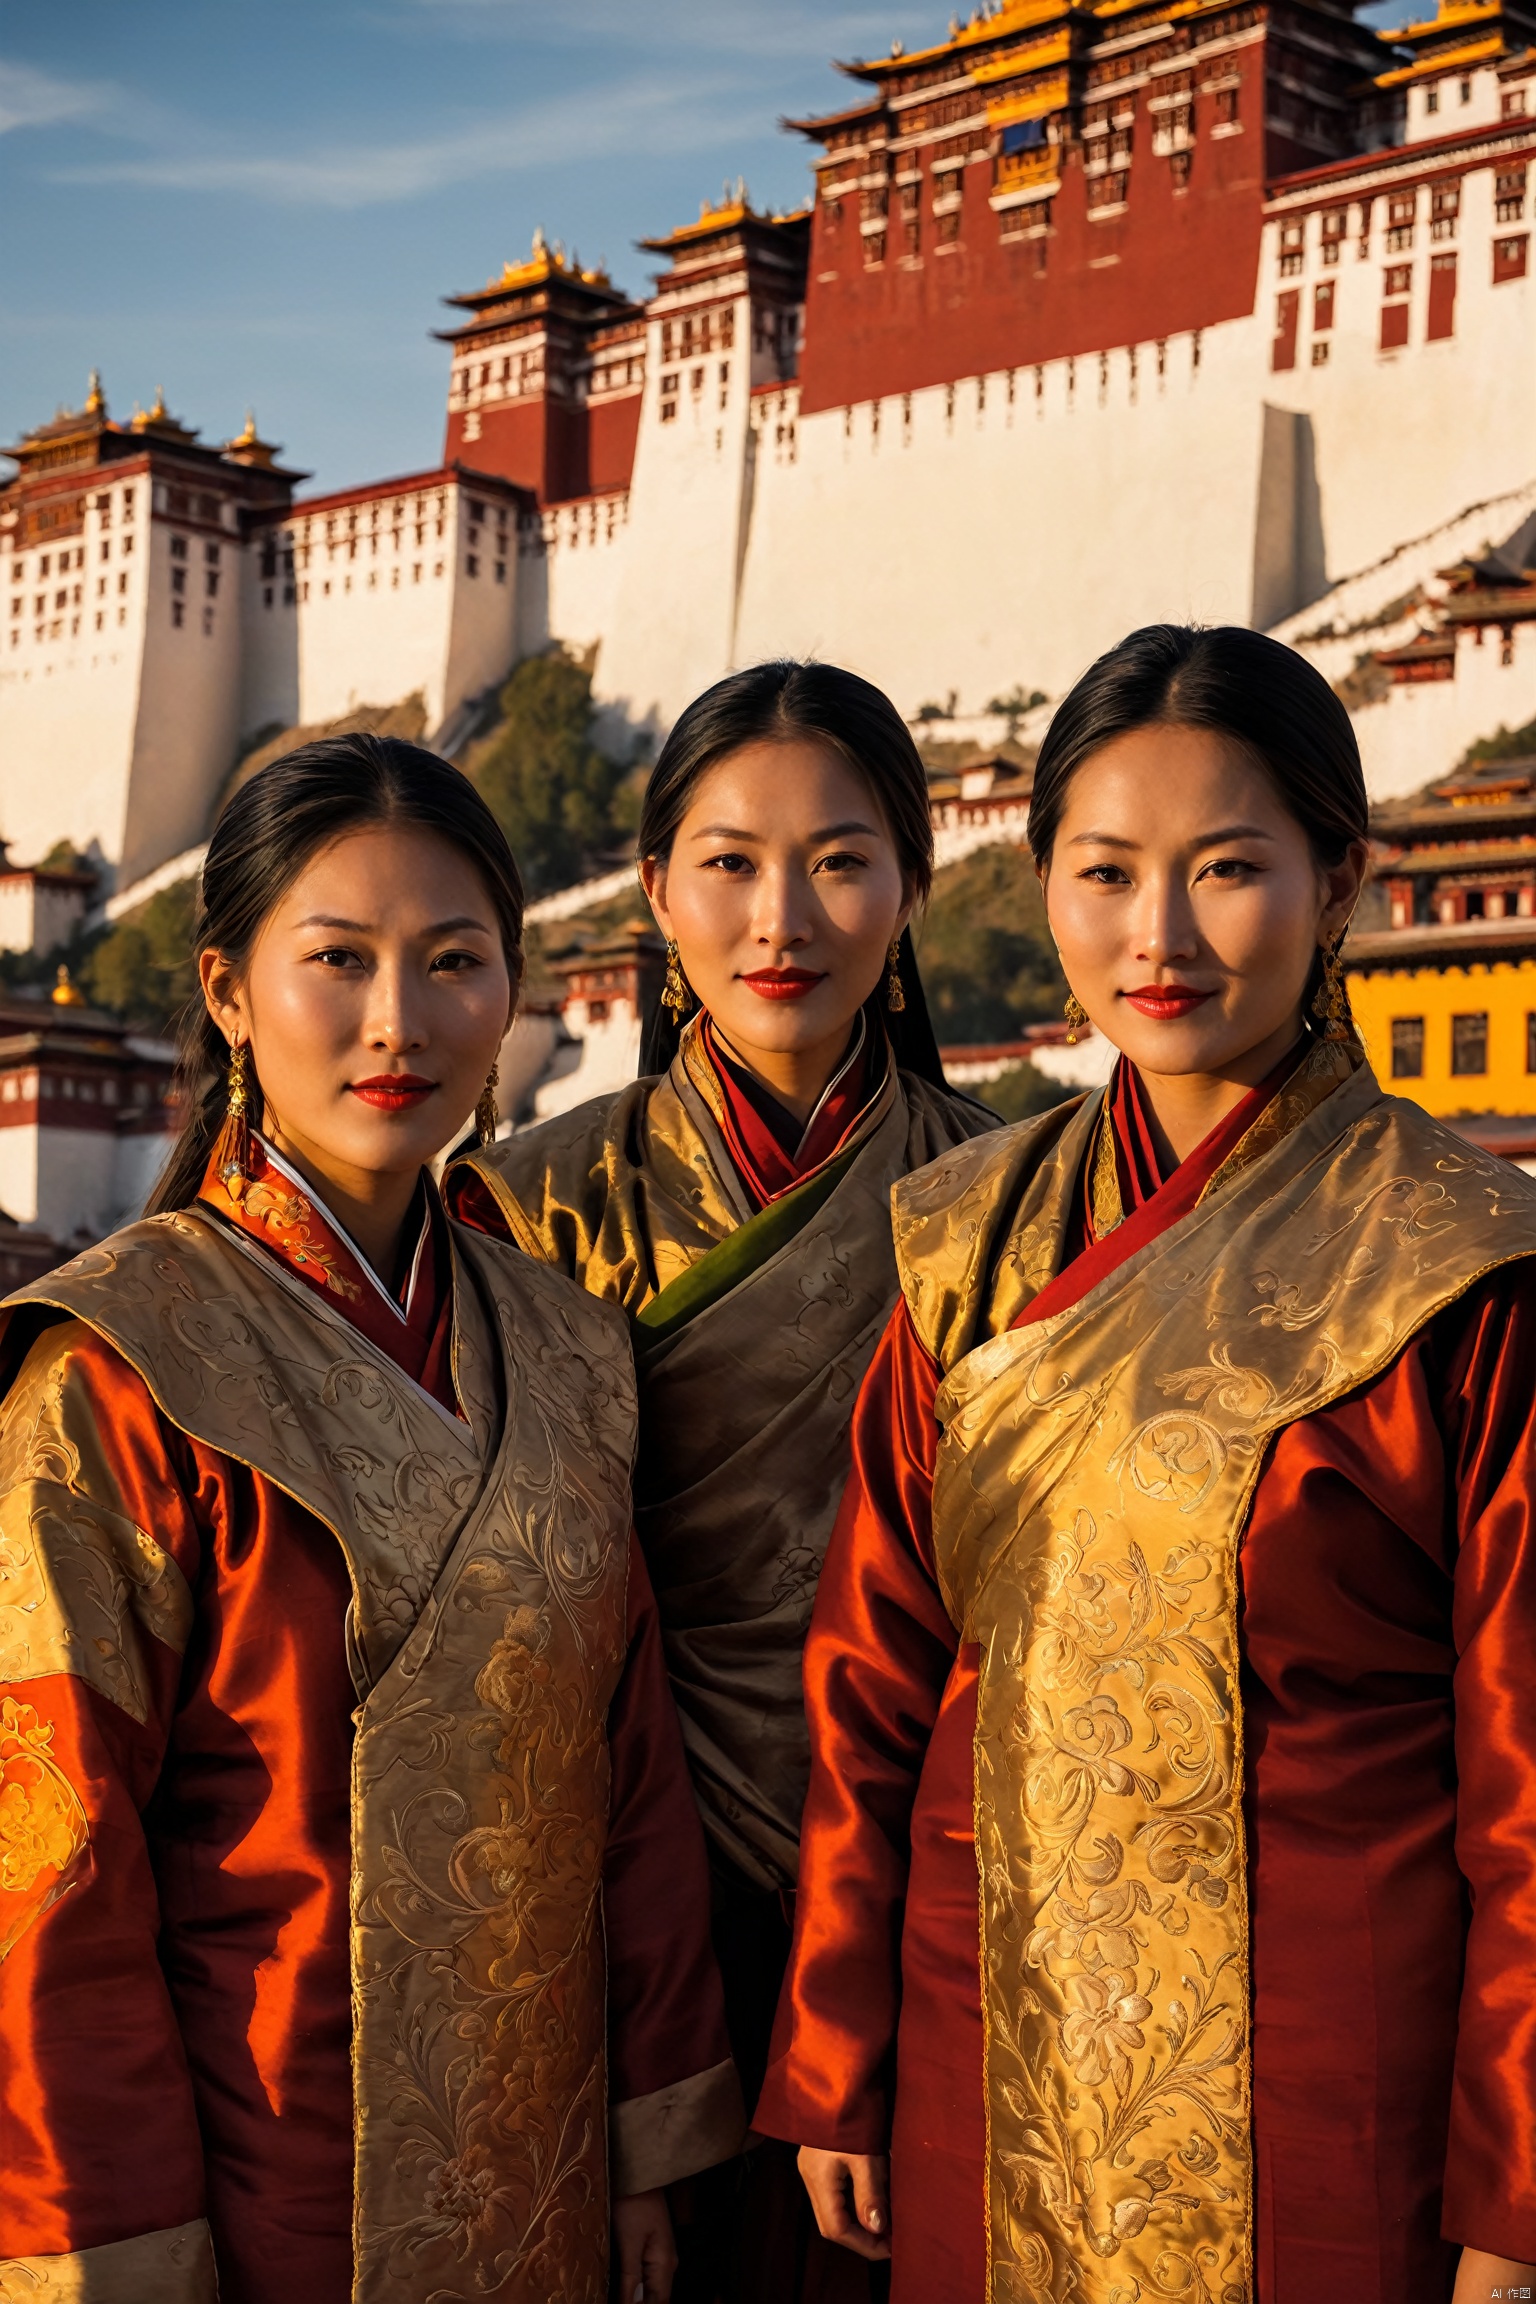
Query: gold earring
(895, 990)
(487, 1118)
(1077, 1016)
(675, 994)
(233, 1158)
(1330, 1003)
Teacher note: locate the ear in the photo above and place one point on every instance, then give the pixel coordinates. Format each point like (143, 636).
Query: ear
(653, 879)
(1342, 883)
(224, 995)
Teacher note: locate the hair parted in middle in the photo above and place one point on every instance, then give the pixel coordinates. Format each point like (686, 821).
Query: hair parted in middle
(779, 702)
(1234, 682)
(271, 828)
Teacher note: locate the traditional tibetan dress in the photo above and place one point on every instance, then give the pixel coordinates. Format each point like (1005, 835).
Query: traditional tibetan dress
(335, 1742)
(1168, 1880)
(754, 1258)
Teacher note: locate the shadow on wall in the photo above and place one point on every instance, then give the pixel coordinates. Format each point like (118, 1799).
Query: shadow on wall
(1289, 555)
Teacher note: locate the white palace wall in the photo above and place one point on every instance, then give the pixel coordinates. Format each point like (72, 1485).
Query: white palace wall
(1004, 530)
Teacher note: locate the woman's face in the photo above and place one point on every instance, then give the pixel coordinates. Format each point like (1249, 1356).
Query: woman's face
(783, 892)
(374, 1003)
(1186, 902)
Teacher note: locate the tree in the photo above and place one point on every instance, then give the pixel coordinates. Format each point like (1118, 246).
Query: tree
(550, 788)
(142, 967)
(1506, 744)
(988, 960)
(1021, 1092)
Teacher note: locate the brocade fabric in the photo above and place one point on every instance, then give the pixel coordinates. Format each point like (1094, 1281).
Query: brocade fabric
(1387, 1579)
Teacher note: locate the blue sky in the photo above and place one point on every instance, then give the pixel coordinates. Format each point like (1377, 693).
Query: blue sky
(262, 204)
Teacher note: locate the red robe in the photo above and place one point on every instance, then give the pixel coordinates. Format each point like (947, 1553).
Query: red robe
(1388, 1580)
(176, 2030)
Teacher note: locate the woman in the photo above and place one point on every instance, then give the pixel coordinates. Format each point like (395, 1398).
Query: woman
(735, 1203)
(336, 1733)
(1168, 1885)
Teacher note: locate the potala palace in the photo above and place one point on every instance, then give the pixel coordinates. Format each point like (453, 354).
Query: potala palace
(1099, 313)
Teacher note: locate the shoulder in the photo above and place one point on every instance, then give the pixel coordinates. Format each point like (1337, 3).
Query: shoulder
(941, 1116)
(952, 1218)
(156, 1254)
(549, 1183)
(540, 1290)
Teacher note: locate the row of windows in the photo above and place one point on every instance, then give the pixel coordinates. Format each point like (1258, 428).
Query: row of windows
(54, 630)
(295, 594)
(1469, 1045)
(1511, 259)
(670, 384)
(66, 597)
(1509, 192)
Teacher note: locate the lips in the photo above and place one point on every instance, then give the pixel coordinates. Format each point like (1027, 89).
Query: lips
(784, 983)
(1166, 1003)
(394, 1091)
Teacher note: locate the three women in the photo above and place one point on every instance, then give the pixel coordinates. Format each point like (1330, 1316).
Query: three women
(1168, 1877)
(735, 1202)
(352, 1895)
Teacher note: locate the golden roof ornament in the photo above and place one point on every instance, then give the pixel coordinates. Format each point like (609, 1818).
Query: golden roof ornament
(95, 398)
(66, 993)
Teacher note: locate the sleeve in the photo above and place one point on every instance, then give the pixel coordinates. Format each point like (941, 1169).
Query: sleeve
(1490, 2181)
(880, 1650)
(674, 2097)
(101, 2176)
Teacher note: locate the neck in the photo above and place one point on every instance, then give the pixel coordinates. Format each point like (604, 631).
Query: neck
(1185, 1106)
(370, 1208)
(796, 1076)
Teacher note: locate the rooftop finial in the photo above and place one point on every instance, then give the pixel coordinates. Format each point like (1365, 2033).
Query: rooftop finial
(65, 993)
(95, 398)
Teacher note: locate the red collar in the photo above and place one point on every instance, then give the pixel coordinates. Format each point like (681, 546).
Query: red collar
(770, 1149)
(287, 1217)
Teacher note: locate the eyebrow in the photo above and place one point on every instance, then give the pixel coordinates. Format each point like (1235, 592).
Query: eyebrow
(369, 928)
(1206, 839)
(828, 832)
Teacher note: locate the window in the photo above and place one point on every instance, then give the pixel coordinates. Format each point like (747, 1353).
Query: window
(1444, 208)
(1512, 104)
(1509, 257)
(1469, 1044)
(1394, 316)
(1322, 305)
(1287, 323)
(1293, 247)
(211, 555)
(207, 623)
(1530, 1041)
(1407, 1047)
(1442, 298)
(178, 547)
(211, 583)
(1466, 91)
(1509, 195)
(178, 579)
(1431, 99)
(1334, 222)
(669, 397)
(874, 248)
(178, 613)
(501, 571)
(471, 564)
(1400, 214)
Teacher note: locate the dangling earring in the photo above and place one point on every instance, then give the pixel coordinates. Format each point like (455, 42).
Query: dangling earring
(1077, 1016)
(234, 1162)
(895, 990)
(487, 1118)
(1330, 1003)
(675, 994)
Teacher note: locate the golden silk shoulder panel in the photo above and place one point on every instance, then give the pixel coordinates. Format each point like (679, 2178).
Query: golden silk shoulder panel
(1094, 1476)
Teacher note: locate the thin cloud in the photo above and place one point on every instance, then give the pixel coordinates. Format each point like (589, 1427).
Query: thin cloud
(33, 99)
(672, 27)
(641, 116)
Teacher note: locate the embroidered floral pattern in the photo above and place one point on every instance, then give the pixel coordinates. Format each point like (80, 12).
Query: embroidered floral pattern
(42, 1823)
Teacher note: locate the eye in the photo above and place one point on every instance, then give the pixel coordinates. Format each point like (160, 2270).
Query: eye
(1105, 875)
(1228, 868)
(728, 861)
(456, 963)
(841, 860)
(337, 956)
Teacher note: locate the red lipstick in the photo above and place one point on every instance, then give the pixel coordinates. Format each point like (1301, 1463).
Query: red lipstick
(1166, 1003)
(394, 1091)
(784, 983)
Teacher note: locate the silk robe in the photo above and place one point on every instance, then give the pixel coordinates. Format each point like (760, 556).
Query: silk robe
(245, 2004)
(1386, 1587)
(756, 1266)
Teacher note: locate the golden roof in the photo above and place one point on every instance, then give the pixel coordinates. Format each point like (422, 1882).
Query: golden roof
(67, 994)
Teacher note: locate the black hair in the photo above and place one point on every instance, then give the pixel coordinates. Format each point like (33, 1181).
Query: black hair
(1237, 683)
(776, 702)
(274, 826)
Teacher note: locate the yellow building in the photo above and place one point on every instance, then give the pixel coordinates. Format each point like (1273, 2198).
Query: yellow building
(1442, 969)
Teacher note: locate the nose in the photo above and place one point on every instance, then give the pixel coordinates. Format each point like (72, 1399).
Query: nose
(395, 1021)
(1165, 928)
(781, 912)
